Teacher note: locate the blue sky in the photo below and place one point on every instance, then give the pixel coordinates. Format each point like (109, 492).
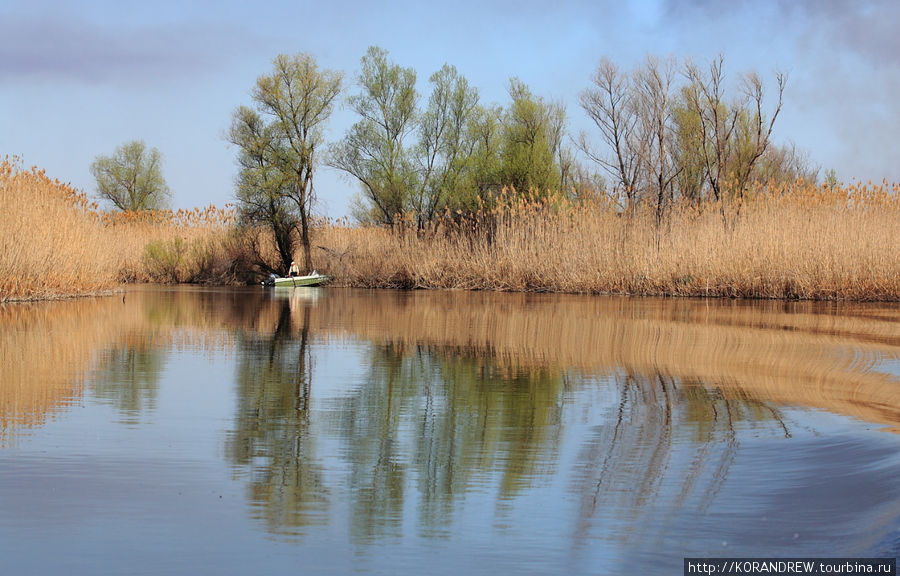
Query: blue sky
(79, 78)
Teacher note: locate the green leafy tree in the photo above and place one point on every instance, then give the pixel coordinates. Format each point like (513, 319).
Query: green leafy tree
(532, 137)
(374, 150)
(280, 139)
(442, 152)
(688, 152)
(261, 187)
(131, 179)
(408, 161)
(483, 143)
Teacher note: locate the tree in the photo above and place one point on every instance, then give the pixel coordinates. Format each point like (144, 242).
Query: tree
(280, 139)
(733, 136)
(653, 84)
(484, 130)
(261, 186)
(456, 154)
(441, 154)
(407, 161)
(609, 105)
(132, 177)
(373, 151)
(667, 139)
(532, 137)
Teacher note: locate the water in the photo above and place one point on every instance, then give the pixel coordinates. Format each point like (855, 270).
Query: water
(328, 431)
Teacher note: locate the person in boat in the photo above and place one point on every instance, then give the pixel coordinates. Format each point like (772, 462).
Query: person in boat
(294, 270)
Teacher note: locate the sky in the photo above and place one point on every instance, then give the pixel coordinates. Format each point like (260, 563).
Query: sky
(78, 78)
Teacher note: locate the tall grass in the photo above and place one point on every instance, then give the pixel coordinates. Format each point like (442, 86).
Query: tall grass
(796, 242)
(55, 242)
(803, 242)
(51, 240)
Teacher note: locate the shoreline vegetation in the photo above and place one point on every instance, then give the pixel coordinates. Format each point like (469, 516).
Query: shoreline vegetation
(796, 241)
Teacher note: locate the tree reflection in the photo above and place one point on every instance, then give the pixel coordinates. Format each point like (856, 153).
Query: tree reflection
(440, 416)
(128, 376)
(427, 424)
(447, 420)
(665, 441)
(371, 422)
(272, 440)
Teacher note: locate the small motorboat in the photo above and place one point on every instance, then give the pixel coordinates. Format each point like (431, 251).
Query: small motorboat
(314, 279)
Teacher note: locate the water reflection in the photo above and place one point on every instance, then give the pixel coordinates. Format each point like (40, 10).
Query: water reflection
(272, 442)
(127, 376)
(46, 350)
(639, 428)
(441, 424)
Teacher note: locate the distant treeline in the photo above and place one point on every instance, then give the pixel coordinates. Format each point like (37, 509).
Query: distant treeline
(679, 191)
(790, 241)
(664, 132)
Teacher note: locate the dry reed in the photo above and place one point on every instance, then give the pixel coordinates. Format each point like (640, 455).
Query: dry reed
(793, 242)
(801, 242)
(55, 242)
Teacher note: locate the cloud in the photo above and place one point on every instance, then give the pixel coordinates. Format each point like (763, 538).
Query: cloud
(866, 28)
(843, 65)
(58, 48)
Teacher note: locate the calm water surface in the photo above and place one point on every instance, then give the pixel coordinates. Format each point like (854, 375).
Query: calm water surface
(329, 431)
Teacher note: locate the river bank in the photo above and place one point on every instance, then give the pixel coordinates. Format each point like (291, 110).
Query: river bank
(798, 243)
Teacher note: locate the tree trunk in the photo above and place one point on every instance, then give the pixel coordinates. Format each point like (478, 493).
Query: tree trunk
(283, 242)
(304, 238)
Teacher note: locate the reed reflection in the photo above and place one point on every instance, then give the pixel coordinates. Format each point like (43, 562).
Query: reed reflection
(46, 352)
(642, 407)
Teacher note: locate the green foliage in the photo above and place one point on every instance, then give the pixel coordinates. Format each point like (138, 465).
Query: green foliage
(443, 142)
(455, 154)
(831, 179)
(131, 179)
(688, 150)
(165, 260)
(374, 151)
(482, 179)
(279, 140)
(532, 136)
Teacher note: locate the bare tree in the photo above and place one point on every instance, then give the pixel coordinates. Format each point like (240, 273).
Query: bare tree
(653, 87)
(759, 130)
(609, 102)
(705, 98)
(733, 136)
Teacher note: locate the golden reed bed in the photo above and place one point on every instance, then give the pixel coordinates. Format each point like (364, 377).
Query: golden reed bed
(793, 243)
(55, 242)
(797, 242)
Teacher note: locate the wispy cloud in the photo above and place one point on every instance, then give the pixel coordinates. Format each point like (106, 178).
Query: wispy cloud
(57, 48)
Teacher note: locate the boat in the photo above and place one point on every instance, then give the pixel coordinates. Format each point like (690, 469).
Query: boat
(314, 279)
